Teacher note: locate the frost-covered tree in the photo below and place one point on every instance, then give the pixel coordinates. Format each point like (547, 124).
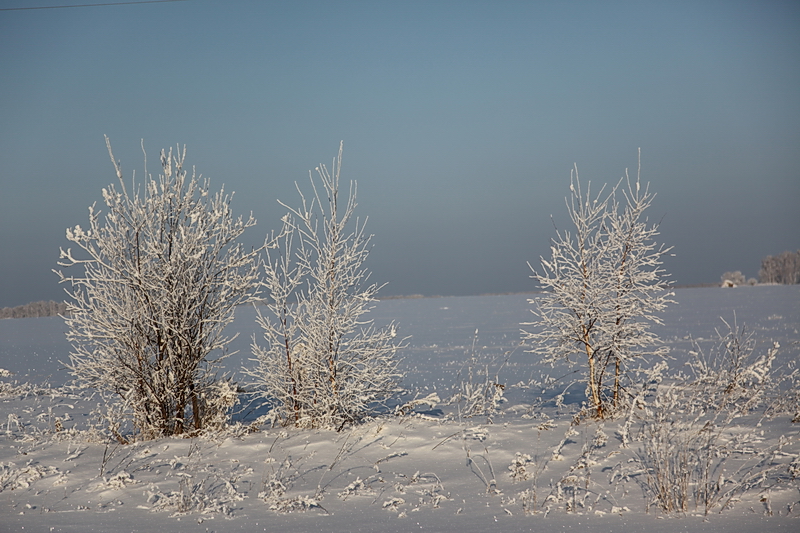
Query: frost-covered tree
(783, 268)
(322, 364)
(161, 276)
(604, 287)
(733, 279)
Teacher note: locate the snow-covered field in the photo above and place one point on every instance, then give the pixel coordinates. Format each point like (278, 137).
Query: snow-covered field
(522, 466)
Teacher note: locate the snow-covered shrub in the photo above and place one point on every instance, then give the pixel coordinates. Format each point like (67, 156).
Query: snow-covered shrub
(295, 504)
(431, 491)
(162, 277)
(356, 488)
(518, 469)
(733, 279)
(604, 287)
(431, 401)
(10, 389)
(208, 494)
(216, 401)
(279, 482)
(203, 487)
(478, 390)
(393, 504)
(576, 487)
(120, 480)
(692, 454)
(13, 477)
(323, 364)
(794, 468)
(528, 498)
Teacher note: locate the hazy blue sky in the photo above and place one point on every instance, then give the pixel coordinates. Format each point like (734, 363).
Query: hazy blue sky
(461, 121)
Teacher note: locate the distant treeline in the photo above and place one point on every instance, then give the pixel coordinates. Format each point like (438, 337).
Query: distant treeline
(784, 268)
(34, 309)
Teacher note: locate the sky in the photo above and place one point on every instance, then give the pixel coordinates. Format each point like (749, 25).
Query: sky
(461, 122)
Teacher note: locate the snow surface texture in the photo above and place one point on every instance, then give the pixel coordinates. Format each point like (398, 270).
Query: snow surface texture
(477, 447)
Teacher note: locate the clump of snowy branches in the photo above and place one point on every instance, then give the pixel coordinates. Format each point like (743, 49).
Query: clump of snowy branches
(576, 488)
(735, 279)
(13, 477)
(10, 389)
(604, 287)
(478, 390)
(209, 495)
(518, 469)
(693, 454)
(161, 278)
(279, 481)
(322, 363)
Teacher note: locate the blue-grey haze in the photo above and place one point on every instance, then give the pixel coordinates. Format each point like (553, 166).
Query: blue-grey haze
(461, 122)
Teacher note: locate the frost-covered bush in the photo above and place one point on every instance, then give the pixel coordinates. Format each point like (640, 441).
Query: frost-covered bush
(322, 364)
(478, 390)
(576, 490)
(733, 279)
(162, 276)
(604, 287)
(9, 389)
(13, 477)
(693, 454)
(209, 494)
(518, 469)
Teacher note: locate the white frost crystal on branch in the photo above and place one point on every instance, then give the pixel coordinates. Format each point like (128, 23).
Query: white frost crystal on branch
(163, 276)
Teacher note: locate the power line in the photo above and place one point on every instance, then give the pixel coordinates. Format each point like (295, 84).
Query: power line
(90, 5)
